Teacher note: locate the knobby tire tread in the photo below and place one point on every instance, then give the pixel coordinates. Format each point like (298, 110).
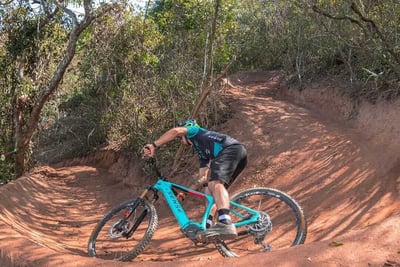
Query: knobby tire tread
(301, 222)
(145, 240)
(224, 250)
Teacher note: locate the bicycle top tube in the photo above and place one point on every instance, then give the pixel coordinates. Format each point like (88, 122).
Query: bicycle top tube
(166, 188)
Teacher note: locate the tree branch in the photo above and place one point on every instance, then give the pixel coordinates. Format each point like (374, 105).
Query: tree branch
(25, 132)
(326, 14)
(382, 37)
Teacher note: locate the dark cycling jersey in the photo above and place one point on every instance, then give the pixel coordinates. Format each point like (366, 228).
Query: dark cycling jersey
(208, 144)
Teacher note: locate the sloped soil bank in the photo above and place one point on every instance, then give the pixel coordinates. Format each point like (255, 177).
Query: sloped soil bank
(339, 160)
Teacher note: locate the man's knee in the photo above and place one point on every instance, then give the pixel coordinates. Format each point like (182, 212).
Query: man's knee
(213, 185)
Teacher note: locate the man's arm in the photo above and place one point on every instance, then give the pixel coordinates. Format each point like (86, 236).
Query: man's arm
(203, 178)
(168, 136)
(197, 184)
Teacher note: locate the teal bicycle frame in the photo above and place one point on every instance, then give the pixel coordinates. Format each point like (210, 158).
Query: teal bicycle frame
(167, 189)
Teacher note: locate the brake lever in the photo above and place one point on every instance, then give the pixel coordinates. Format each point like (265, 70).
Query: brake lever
(151, 161)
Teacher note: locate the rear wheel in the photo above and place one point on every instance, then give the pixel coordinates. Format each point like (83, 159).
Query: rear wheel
(124, 232)
(282, 222)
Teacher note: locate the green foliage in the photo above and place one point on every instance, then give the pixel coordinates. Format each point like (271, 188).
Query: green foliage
(30, 49)
(6, 171)
(145, 73)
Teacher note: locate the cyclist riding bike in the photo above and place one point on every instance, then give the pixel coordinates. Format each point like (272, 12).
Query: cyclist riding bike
(222, 158)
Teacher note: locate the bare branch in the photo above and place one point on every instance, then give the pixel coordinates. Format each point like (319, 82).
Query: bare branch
(382, 37)
(326, 14)
(88, 7)
(69, 12)
(26, 128)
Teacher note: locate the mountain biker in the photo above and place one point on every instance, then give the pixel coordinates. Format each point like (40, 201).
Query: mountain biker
(218, 153)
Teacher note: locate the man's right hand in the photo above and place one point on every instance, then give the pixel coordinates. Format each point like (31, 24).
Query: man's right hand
(181, 196)
(149, 150)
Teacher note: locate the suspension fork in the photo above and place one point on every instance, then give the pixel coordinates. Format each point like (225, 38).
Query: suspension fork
(143, 214)
(137, 223)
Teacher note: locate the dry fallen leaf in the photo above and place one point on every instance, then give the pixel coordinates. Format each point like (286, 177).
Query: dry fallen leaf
(335, 244)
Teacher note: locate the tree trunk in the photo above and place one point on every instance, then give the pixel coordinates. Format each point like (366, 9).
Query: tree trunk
(208, 84)
(26, 126)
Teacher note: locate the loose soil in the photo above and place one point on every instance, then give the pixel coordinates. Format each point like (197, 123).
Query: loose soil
(339, 160)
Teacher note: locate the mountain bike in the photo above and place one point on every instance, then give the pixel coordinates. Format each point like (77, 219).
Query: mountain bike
(266, 219)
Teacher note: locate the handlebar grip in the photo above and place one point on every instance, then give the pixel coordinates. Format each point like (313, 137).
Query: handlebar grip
(150, 160)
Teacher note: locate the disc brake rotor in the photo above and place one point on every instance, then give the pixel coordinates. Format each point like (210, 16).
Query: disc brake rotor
(119, 228)
(262, 227)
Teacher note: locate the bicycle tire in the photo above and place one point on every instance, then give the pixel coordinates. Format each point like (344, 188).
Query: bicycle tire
(224, 250)
(288, 224)
(107, 243)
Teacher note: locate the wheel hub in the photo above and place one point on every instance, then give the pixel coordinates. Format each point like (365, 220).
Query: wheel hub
(119, 228)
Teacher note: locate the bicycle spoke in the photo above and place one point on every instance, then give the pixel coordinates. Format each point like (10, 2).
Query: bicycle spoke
(120, 237)
(280, 225)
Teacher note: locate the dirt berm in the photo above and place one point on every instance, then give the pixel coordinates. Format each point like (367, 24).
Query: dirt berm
(338, 159)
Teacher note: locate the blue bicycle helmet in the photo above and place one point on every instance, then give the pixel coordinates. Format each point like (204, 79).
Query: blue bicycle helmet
(188, 122)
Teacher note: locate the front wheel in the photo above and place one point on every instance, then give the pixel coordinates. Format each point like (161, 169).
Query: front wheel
(281, 224)
(124, 232)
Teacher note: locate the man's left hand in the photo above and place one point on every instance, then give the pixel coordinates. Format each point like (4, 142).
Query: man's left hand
(181, 196)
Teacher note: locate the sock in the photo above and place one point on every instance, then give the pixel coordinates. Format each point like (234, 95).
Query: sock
(224, 217)
(209, 221)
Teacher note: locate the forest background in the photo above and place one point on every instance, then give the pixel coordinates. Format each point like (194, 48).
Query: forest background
(78, 75)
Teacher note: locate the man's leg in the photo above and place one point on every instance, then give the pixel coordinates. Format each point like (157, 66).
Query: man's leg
(226, 166)
(220, 194)
(224, 228)
(204, 176)
(210, 219)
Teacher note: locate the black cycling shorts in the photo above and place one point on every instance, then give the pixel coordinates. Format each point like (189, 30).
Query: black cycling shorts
(229, 164)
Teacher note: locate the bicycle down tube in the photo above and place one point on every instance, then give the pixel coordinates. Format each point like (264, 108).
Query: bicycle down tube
(166, 188)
